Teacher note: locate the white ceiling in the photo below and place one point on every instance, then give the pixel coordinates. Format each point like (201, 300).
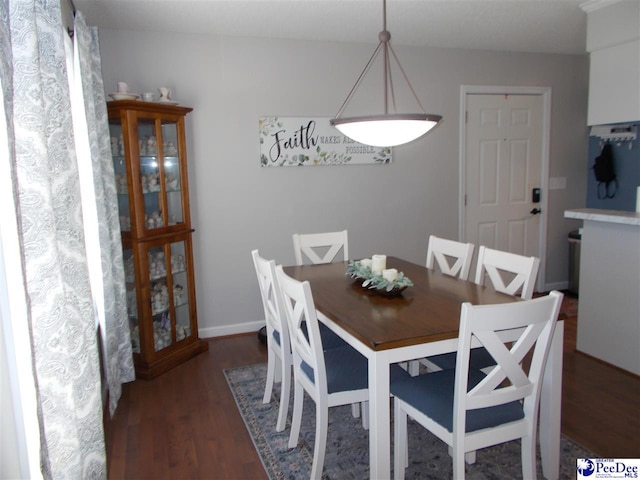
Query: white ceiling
(546, 26)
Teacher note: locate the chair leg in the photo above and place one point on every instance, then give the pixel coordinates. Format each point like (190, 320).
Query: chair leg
(469, 457)
(320, 447)
(365, 415)
(271, 366)
(277, 370)
(458, 463)
(400, 449)
(355, 410)
(528, 446)
(296, 419)
(285, 393)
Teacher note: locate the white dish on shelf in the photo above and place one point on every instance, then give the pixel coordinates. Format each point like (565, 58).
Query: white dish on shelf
(124, 96)
(168, 102)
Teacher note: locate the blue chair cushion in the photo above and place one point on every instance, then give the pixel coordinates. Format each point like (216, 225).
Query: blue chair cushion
(347, 370)
(329, 338)
(432, 394)
(480, 358)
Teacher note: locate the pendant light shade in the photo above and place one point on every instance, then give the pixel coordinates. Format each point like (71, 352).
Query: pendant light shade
(386, 129)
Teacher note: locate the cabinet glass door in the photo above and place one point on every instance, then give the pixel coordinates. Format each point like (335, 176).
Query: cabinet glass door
(132, 300)
(179, 278)
(160, 301)
(150, 173)
(119, 167)
(171, 165)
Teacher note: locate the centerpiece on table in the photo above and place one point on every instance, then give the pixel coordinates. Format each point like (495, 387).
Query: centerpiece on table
(373, 274)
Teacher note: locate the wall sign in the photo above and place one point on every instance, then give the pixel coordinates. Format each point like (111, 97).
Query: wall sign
(303, 141)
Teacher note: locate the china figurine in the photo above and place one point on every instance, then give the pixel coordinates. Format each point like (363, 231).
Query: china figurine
(157, 302)
(151, 145)
(177, 263)
(156, 219)
(177, 295)
(172, 182)
(152, 182)
(115, 149)
(165, 94)
(170, 149)
(180, 332)
(161, 267)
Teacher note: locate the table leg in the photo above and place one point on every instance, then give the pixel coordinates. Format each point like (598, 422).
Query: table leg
(551, 407)
(379, 417)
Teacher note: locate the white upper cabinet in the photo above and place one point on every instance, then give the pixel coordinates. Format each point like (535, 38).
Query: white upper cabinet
(613, 41)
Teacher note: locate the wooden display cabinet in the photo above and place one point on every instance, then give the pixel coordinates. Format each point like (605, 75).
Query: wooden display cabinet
(150, 164)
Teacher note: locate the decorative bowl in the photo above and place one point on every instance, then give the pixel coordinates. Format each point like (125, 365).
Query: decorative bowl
(124, 96)
(375, 282)
(394, 292)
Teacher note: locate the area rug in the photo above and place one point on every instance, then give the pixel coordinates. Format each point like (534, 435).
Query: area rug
(347, 455)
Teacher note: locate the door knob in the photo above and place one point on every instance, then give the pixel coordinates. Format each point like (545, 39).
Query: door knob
(535, 211)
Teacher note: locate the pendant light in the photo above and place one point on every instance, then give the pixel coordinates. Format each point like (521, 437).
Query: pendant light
(385, 129)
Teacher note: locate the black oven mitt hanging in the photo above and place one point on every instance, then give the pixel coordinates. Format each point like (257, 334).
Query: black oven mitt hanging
(605, 173)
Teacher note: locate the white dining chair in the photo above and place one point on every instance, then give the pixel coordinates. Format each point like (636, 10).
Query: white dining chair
(470, 410)
(320, 247)
(323, 248)
(508, 273)
(451, 257)
(334, 377)
(279, 359)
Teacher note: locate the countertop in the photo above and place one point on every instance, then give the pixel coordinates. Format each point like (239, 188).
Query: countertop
(607, 216)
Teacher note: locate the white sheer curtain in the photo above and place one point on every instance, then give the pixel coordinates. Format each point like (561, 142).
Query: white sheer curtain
(63, 211)
(110, 282)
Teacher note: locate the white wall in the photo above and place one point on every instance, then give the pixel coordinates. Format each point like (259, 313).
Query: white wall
(238, 206)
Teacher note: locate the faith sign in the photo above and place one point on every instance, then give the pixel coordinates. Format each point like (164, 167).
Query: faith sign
(302, 141)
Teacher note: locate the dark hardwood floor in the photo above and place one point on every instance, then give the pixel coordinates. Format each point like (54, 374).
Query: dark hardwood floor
(185, 424)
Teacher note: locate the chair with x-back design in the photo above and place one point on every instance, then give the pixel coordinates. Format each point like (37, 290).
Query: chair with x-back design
(452, 258)
(279, 358)
(469, 409)
(508, 273)
(320, 247)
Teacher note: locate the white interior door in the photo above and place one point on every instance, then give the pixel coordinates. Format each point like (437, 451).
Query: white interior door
(503, 164)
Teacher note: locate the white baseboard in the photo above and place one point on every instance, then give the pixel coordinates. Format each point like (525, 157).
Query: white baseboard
(556, 286)
(224, 330)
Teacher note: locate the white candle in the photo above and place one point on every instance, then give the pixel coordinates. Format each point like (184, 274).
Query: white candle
(390, 274)
(366, 262)
(378, 263)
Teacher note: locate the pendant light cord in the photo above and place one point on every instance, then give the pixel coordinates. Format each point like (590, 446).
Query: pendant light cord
(384, 38)
(359, 80)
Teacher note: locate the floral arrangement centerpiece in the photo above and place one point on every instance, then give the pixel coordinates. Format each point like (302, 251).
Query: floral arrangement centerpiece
(374, 275)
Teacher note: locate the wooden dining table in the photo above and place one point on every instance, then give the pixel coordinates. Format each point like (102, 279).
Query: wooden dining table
(421, 321)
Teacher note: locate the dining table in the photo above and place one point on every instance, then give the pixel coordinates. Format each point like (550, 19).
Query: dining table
(418, 322)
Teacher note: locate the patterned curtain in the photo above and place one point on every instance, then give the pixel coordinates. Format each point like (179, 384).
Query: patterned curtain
(62, 311)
